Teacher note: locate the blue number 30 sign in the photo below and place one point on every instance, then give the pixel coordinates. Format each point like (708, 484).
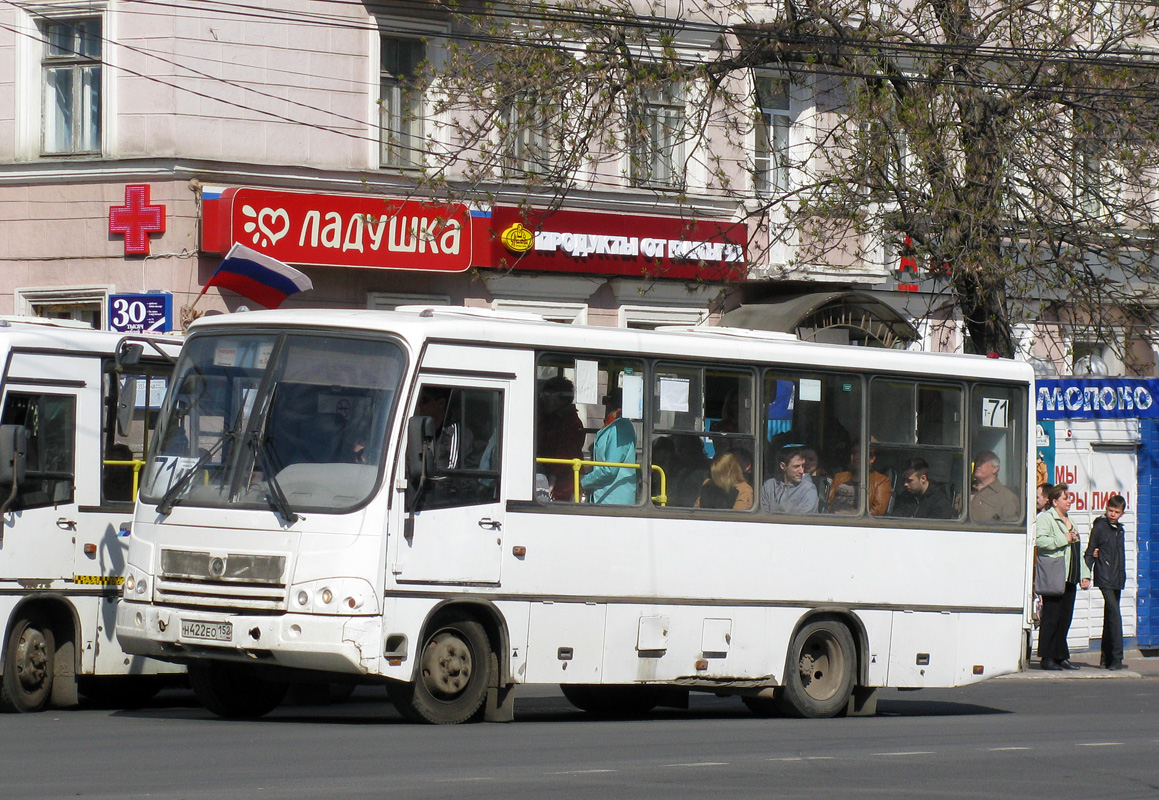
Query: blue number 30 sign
(138, 313)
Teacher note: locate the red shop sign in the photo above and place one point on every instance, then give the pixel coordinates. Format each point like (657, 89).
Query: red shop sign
(617, 244)
(338, 230)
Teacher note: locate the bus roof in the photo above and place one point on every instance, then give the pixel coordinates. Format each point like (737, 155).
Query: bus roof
(67, 335)
(474, 326)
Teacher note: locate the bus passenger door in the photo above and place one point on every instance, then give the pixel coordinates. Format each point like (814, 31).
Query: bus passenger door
(453, 529)
(42, 523)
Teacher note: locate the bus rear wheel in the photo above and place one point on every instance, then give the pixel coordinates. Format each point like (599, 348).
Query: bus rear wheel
(29, 664)
(235, 691)
(452, 681)
(612, 701)
(819, 676)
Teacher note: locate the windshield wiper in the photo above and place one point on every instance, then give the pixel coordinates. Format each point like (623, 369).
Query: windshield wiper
(170, 498)
(277, 498)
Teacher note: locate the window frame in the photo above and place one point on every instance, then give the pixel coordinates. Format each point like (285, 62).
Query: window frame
(530, 150)
(653, 363)
(657, 124)
(62, 477)
(87, 76)
(773, 137)
(402, 99)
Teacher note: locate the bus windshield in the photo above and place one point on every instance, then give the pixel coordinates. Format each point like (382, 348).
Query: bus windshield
(290, 422)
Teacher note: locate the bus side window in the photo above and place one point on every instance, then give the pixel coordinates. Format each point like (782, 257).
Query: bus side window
(468, 445)
(131, 406)
(918, 427)
(51, 423)
(588, 429)
(998, 454)
(702, 446)
(814, 419)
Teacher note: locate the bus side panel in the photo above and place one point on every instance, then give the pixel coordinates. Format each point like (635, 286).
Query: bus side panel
(646, 643)
(565, 642)
(924, 649)
(878, 625)
(993, 642)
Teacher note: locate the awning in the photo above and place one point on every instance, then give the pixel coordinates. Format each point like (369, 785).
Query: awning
(868, 320)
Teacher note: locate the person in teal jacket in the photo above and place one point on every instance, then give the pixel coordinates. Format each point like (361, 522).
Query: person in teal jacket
(615, 442)
(1056, 538)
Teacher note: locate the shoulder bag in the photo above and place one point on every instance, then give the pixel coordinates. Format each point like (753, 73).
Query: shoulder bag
(1049, 574)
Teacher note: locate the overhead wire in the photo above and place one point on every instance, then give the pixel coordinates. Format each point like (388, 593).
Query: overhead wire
(282, 17)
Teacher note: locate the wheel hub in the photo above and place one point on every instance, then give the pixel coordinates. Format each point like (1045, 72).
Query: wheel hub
(817, 673)
(32, 659)
(447, 665)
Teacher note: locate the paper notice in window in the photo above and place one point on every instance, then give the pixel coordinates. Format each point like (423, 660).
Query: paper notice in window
(810, 390)
(633, 386)
(674, 394)
(587, 382)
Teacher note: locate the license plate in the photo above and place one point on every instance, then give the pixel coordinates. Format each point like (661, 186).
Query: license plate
(211, 631)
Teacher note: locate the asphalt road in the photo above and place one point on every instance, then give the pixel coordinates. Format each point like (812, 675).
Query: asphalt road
(1037, 738)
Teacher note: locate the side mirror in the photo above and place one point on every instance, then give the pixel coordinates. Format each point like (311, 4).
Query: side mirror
(13, 453)
(420, 439)
(130, 354)
(126, 403)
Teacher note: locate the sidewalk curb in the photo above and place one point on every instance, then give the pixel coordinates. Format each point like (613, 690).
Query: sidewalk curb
(1087, 672)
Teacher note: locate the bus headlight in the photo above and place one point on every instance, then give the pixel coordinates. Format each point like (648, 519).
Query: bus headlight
(335, 596)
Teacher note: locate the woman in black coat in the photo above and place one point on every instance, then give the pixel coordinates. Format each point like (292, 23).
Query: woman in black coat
(1107, 557)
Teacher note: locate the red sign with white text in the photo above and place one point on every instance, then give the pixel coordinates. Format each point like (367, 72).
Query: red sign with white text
(338, 230)
(617, 244)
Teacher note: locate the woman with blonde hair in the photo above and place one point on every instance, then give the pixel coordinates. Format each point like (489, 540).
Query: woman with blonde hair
(727, 487)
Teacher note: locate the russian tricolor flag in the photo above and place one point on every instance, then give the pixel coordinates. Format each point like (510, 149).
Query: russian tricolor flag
(258, 277)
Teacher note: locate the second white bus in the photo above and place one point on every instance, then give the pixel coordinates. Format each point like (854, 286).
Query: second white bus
(454, 503)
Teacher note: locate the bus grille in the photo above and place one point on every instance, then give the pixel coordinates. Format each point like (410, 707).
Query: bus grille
(233, 580)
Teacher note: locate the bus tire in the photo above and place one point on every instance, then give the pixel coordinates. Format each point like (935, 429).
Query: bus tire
(29, 665)
(820, 673)
(235, 691)
(451, 684)
(612, 701)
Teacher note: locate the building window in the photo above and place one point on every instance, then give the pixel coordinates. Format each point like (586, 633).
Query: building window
(657, 140)
(78, 303)
(71, 69)
(401, 103)
(770, 164)
(529, 150)
(550, 310)
(1094, 179)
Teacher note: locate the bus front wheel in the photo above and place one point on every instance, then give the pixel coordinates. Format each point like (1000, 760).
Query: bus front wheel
(235, 691)
(452, 681)
(819, 676)
(29, 663)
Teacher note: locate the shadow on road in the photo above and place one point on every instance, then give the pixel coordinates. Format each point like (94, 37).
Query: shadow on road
(370, 706)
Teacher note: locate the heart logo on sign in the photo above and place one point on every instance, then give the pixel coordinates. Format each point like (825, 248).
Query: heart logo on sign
(268, 226)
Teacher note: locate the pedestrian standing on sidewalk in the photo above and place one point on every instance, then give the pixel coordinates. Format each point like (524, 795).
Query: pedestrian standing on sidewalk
(1041, 501)
(1107, 557)
(1056, 538)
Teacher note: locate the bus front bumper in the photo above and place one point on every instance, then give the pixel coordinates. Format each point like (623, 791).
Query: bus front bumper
(346, 644)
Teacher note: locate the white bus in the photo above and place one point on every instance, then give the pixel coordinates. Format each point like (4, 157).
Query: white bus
(76, 413)
(456, 502)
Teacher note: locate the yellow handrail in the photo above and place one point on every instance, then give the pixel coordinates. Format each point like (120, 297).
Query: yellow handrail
(136, 464)
(577, 464)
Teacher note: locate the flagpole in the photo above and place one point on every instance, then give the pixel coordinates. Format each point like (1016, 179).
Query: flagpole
(187, 315)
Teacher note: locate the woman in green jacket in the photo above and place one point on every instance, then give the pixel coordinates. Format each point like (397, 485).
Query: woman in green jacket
(1057, 538)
